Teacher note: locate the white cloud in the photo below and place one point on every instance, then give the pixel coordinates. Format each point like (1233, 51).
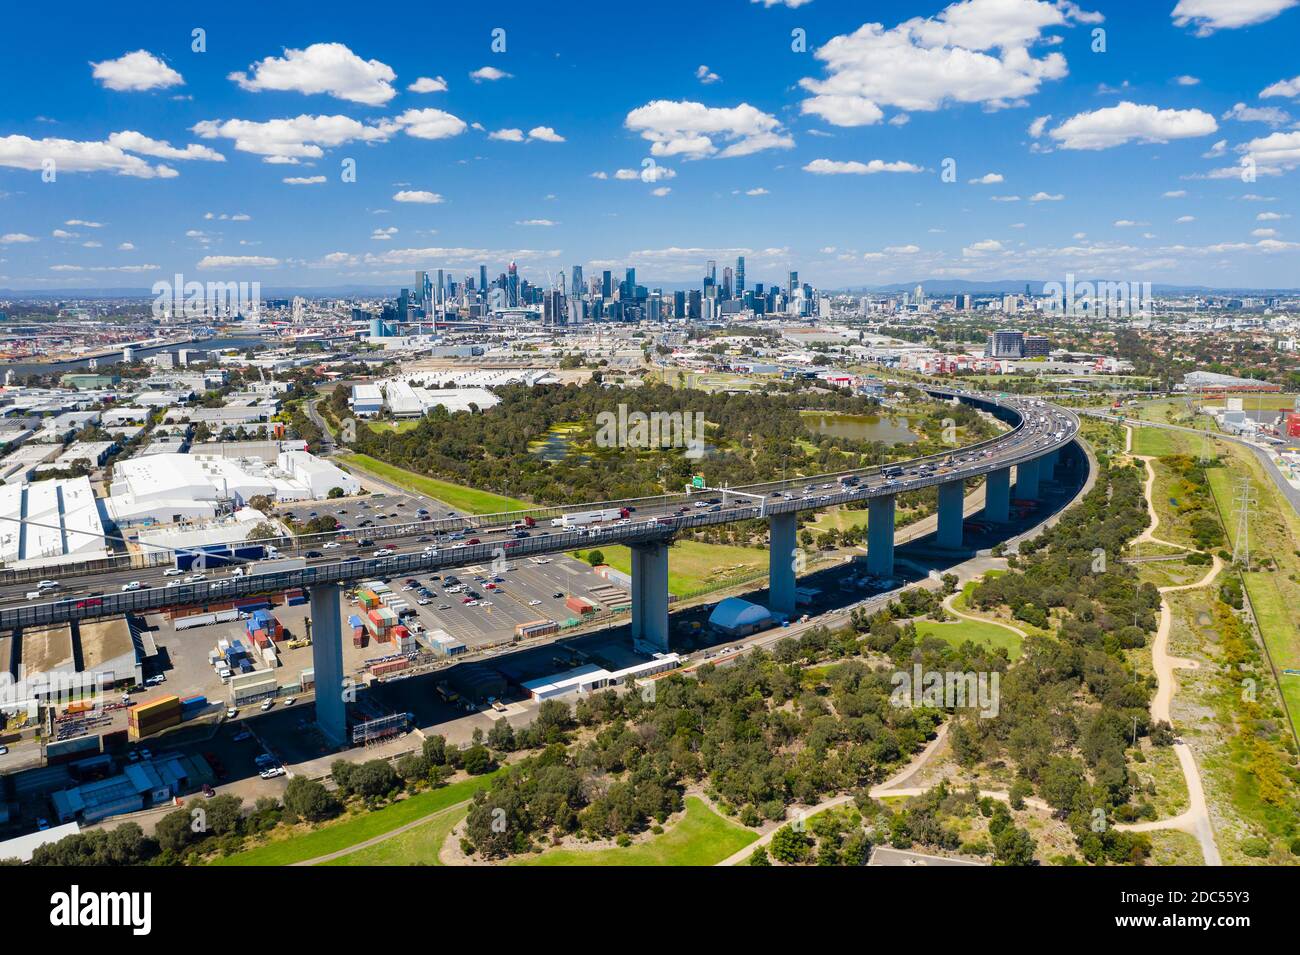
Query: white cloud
(688, 129)
(1128, 122)
(508, 135)
(384, 235)
(833, 167)
(104, 268)
(902, 119)
(301, 137)
(70, 155)
(237, 262)
(1004, 198)
(1210, 15)
(140, 70)
(792, 4)
(536, 222)
(759, 191)
(322, 68)
(1264, 233)
(988, 179)
(545, 134)
(84, 224)
(1273, 154)
(131, 141)
(427, 198)
(489, 73)
(303, 180)
(1282, 88)
(976, 249)
(1218, 149)
(426, 84)
(706, 76)
(973, 51)
(13, 238)
(1186, 219)
(1046, 197)
(126, 247)
(1124, 223)
(430, 123)
(1257, 114)
(1186, 80)
(599, 175)
(1269, 216)
(1175, 194)
(1037, 126)
(661, 191)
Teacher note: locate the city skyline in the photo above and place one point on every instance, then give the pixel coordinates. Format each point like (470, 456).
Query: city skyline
(980, 141)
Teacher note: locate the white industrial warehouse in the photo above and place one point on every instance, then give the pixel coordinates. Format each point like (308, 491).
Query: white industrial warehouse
(169, 488)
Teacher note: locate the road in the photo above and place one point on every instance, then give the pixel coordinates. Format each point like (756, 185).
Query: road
(435, 546)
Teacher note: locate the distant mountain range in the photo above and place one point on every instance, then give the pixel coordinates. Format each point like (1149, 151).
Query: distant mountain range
(936, 287)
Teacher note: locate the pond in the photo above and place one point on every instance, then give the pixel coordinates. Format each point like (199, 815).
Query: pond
(860, 427)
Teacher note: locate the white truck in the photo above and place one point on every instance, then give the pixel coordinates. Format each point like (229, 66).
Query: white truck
(583, 518)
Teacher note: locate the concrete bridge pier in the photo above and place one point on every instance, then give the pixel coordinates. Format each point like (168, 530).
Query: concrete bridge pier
(327, 658)
(1027, 481)
(951, 496)
(650, 595)
(781, 555)
(997, 496)
(1047, 465)
(880, 536)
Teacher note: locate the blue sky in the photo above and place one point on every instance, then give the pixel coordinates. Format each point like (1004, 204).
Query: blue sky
(1123, 163)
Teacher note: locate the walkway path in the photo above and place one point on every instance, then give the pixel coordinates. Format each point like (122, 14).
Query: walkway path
(1148, 535)
(383, 836)
(1195, 820)
(948, 606)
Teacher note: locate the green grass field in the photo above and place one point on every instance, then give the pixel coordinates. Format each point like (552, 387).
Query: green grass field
(416, 846)
(393, 427)
(453, 495)
(977, 632)
(838, 519)
(339, 835)
(701, 837)
(693, 565)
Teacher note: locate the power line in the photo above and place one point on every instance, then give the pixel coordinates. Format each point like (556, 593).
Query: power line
(1245, 501)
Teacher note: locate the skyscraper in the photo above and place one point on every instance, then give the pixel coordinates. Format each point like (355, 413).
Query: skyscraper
(794, 284)
(482, 282)
(512, 285)
(631, 283)
(740, 275)
(606, 285)
(422, 289)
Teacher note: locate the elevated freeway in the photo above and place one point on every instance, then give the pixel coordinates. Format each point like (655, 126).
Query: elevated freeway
(1038, 432)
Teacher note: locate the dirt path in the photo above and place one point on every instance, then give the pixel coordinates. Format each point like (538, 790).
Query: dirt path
(1195, 820)
(1148, 536)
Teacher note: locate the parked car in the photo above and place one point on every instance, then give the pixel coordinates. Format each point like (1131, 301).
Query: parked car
(231, 713)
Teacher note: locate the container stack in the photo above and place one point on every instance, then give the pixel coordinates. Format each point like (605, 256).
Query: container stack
(145, 719)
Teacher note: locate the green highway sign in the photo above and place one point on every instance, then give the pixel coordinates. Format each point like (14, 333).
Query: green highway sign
(697, 481)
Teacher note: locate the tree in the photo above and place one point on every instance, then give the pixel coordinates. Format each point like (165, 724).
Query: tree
(477, 760)
(264, 530)
(224, 814)
(173, 831)
(1014, 846)
(435, 750)
(790, 845)
(309, 799)
(595, 557)
(336, 492)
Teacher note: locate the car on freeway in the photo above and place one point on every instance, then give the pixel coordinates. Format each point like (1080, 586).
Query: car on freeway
(173, 572)
(132, 585)
(534, 603)
(444, 606)
(196, 578)
(313, 554)
(331, 545)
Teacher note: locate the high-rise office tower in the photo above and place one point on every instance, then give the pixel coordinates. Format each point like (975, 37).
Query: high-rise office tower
(421, 288)
(740, 275)
(482, 282)
(726, 282)
(631, 283)
(712, 271)
(512, 285)
(794, 283)
(606, 285)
